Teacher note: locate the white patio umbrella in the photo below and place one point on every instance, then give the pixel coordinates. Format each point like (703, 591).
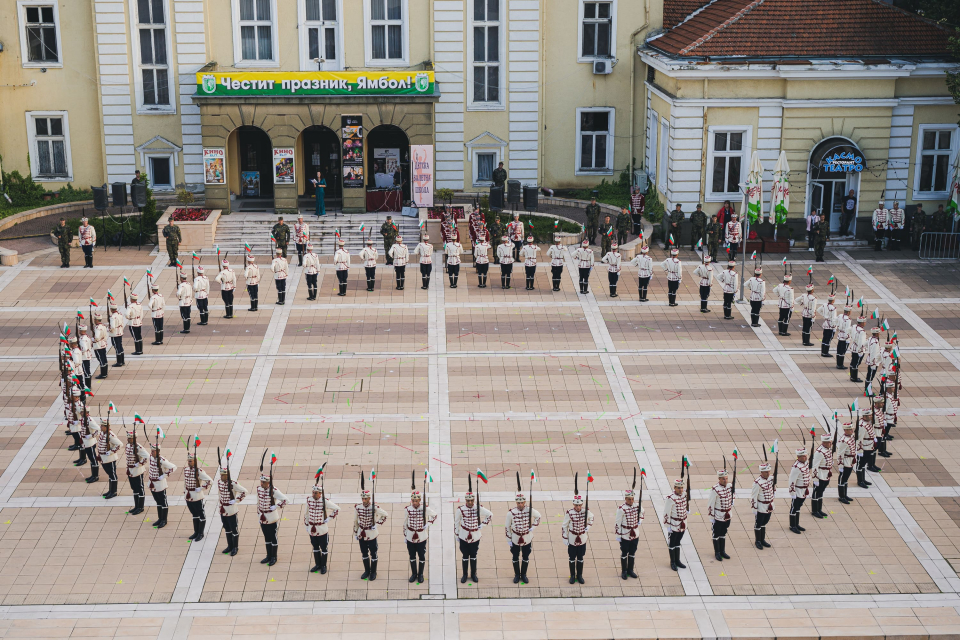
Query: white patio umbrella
(780, 192)
(754, 194)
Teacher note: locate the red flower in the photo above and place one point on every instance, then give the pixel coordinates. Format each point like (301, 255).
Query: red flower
(753, 235)
(189, 215)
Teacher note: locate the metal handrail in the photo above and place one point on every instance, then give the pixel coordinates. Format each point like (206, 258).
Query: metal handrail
(939, 245)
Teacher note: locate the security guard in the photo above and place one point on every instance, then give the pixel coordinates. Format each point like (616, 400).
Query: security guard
(698, 224)
(281, 235)
(389, 231)
(173, 238)
(593, 219)
(64, 239)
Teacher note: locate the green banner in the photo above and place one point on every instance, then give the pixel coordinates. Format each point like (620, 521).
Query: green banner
(315, 83)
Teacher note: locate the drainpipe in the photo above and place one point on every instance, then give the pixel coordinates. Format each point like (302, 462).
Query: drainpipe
(633, 74)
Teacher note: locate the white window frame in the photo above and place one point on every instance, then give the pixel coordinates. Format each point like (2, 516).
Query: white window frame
(475, 163)
(611, 137)
(663, 154)
(613, 32)
(148, 169)
(306, 62)
(32, 142)
(653, 129)
(745, 153)
(368, 37)
(238, 60)
(22, 26)
(172, 83)
(501, 40)
(954, 146)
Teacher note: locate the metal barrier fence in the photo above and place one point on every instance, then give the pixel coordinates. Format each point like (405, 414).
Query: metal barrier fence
(940, 246)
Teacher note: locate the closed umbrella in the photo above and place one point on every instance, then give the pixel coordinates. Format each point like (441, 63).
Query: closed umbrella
(780, 192)
(754, 194)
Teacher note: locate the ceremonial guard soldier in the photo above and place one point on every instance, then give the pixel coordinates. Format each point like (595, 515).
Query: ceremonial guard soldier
(829, 312)
(281, 235)
(613, 261)
(758, 290)
(228, 282)
(453, 250)
(644, 264)
(231, 494)
(698, 223)
(880, 216)
(886, 361)
(196, 484)
(269, 503)
(341, 259)
(583, 257)
(873, 355)
(137, 458)
(674, 270)
(316, 519)
(88, 240)
(799, 488)
(416, 530)
(606, 235)
(160, 468)
(761, 501)
(844, 327)
(866, 448)
(75, 423)
(846, 456)
(895, 223)
(873, 430)
(107, 447)
(89, 432)
(85, 346)
(389, 231)
(201, 293)
(732, 233)
(891, 407)
(520, 525)
(822, 472)
(529, 255)
(481, 260)
(515, 231)
(675, 517)
(301, 234)
(468, 521)
(729, 280)
(555, 253)
(368, 257)
(401, 255)
(574, 530)
(311, 267)
(135, 316)
(808, 311)
(185, 296)
(505, 258)
(116, 332)
(858, 348)
(425, 251)
(704, 271)
(785, 304)
(627, 530)
(719, 509)
(280, 267)
(251, 272)
(100, 335)
(366, 519)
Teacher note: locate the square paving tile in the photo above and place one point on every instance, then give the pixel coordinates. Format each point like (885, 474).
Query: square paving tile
(516, 329)
(28, 387)
(684, 327)
(355, 330)
(12, 438)
(385, 291)
(942, 318)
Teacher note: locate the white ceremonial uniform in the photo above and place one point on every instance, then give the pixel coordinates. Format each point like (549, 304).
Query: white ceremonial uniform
(628, 521)
(227, 279)
(528, 253)
(613, 261)
(673, 268)
(520, 525)
(729, 279)
(823, 462)
(808, 305)
(761, 495)
(185, 294)
(135, 314)
(480, 252)
(158, 475)
(201, 287)
(99, 336)
(279, 266)
(829, 313)
(843, 325)
(425, 251)
(505, 253)
(705, 273)
(311, 263)
(515, 230)
(757, 288)
(576, 525)
(195, 486)
(799, 483)
(880, 218)
(368, 256)
(342, 259)
(555, 254)
(467, 526)
(847, 449)
(644, 264)
(675, 512)
(301, 232)
(116, 324)
(364, 527)
(136, 462)
(873, 352)
(584, 258)
(416, 527)
(453, 250)
(228, 506)
(251, 273)
(269, 513)
(733, 232)
(313, 518)
(785, 295)
(88, 235)
(720, 503)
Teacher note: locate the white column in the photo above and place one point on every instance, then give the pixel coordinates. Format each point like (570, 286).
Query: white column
(768, 145)
(523, 78)
(114, 75)
(898, 157)
(685, 156)
(191, 54)
(448, 39)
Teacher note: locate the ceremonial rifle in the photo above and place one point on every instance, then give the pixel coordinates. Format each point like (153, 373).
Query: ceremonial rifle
(733, 488)
(323, 494)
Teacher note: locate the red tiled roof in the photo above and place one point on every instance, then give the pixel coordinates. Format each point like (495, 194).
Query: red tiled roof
(676, 11)
(812, 28)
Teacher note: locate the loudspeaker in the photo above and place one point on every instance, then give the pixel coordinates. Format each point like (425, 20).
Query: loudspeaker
(138, 195)
(119, 190)
(530, 197)
(100, 198)
(513, 191)
(496, 198)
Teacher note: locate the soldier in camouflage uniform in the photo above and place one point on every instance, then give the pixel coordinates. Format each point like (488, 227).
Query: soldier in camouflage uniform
(713, 237)
(495, 230)
(171, 233)
(64, 238)
(606, 240)
(823, 231)
(389, 232)
(281, 235)
(698, 221)
(593, 219)
(918, 224)
(941, 220)
(624, 225)
(675, 224)
(499, 176)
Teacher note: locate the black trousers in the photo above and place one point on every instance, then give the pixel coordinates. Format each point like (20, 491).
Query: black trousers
(426, 268)
(795, 506)
(672, 287)
(841, 347)
(760, 524)
(137, 336)
(482, 268)
(368, 549)
(401, 274)
(517, 245)
(87, 254)
(160, 497)
(733, 251)
(185, 312)
(521, 552)
(845, 221)
(556, 274)
(628, 548)
(101, 356)
(704, 296)
(506, 270)
(755, 306)
(530, 273)
(110, 468)
(203, 308)
(319, 543)
(584, 279)
(301, 249)
(613, 277)
(136, 485)
(819, 489)
(642, 284)
(826, 340)
(91, 454)
(417, 550)
(312, 283)
(281, 285)
(196, 510)
(270, 535)
(878, 235)
(371, 274)
(469, 549)
(227, 297)
(231, 527)
(728, 304)
(117, 342)
(342, 276)
(576, 552)
(805, 330)
(854, 362)
(720, 529)
(675, 538)
(253, 291)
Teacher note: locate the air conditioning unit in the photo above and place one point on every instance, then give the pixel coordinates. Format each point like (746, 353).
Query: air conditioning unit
(640, 179)
(602, 67)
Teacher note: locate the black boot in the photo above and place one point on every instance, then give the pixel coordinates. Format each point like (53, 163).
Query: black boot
(94, 476)
(473, 571)
(161, 518)
(464, 563)
(273, 556)
(373, 570)
(573, 571)
(763, 537)
(423, 563)
(723, 549)
(630, 571)
(186, 326)
(323, 563)
(672, 298)
(199, 526)
(104, 368)
(793, 523)
(758, 538)
(840, 363)
(236, 544)
(269, 555)
(580, 571)
(138, 347)
(613, 291)
(366, 569)
(882, 449)
(413, 571)
(111, 490)
(423, 282)
(673, 559)
(523, 571)
(824, 349)
(157, 338)
(343, 290)
(119, 362)
(137, 506)
(516, 572)
(83, 455)
(623, 567)
(716, 550)
(203, 319)
(679, 564)
(754, 320)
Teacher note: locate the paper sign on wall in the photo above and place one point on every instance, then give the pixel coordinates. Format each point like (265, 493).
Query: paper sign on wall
(421, 174)
(283, 172)
(213, 166)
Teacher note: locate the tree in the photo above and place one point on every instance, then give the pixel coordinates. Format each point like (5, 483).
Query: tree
(947, 14)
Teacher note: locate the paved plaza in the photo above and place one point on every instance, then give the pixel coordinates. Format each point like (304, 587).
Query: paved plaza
(449, 380)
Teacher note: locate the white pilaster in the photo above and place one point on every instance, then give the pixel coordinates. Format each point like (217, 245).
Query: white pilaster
(448, 38)
(685, 156)
(188, 21)
(523, 88)
(113, 70)
(768, 145)
(898, 157)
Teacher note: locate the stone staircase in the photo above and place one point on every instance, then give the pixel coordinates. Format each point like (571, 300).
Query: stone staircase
(254, 228)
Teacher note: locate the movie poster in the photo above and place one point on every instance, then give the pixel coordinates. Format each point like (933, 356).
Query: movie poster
(351, 134)
(283, 166)
(421, 174)
(213, 171)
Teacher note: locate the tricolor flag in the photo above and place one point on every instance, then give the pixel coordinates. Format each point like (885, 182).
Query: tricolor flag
(893, 338)
(246, 245)
(273, 458)
(700, 244)
(179, 264)
(319, 473)
(149, 274)
(160, 433)
(835, 414)
(556, 223)
(109, 295)
(610, 231)
(589, 476)
(810, 270)
(775, 446)
(66, 329)
(195, 256)
(373, 473)
(87, 392)
(753, 256)
(671, 239)
(736, 454)
(126, 282)
(832, 279)
(813, 430)
(196, 441)
(79, 316)
(336, 232)
(860, 302)
(363, 225)
(229, 454)
(876, 314)
(137, 418)
(684, 462)
(868, 390)
(533, 475)
(885, 325)
(896, 352)
(94, 303)
(427, 477)
(482, 476)
(853, 405)
(783, 262)
(643, 472)
(111, 408)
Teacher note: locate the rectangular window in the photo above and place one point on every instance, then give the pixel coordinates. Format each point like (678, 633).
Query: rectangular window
(652, 128)
(936, 147)
(596, 29)
(160, 175)
(48, 136)
(154, 67)
(387, 19)
(322, 32)
(41, 34)
(485, 166)
(727, 161)
(256, 30)
(664, 150)
(486, 51)
(595, 140)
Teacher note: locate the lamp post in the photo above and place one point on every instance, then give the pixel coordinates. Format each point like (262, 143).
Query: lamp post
(744, 236)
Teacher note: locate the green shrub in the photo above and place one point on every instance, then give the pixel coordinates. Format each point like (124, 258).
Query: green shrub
(615, 193)
(23, 191)
(541, 227)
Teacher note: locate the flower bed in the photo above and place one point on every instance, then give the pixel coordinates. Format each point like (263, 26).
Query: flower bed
(190, 214)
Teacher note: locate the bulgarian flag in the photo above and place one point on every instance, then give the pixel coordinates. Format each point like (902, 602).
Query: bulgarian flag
(813, 431)
(893, 338)
(196, 440)
(126, 282)
(427, 477)
(109, 295)
(810, 270)
(685, 463)
(373, 474)
(336, 232)
(179, 264)
(885, 325)
(610, 231)
(137, 418)
(556, 224)
(700, 244)
(246, 245)
(775, 446)
(589, 476)
(111, 408)
(876, 314)
(319, 473)
(482, 476)
(753, 256)
(868, 391)
(94, 303)
(860, 302)
(63, 340)
(229, 454)
(671, 239)
(853, 405)
(643, 472)
(783, 262)
(79, 317)
(832, 279)
(533, 475)
(736, 454)
(160, 433)
(87, 392)
(195, 256)
(273, 458)
(66, 327)
(363, 225)
(149, 274)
